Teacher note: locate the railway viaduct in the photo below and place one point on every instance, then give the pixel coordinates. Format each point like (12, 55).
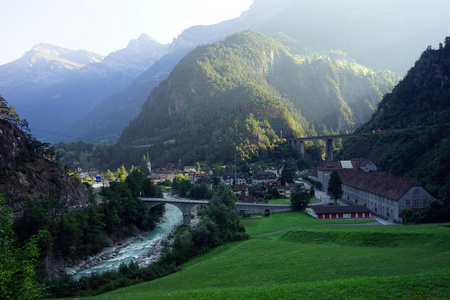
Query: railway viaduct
(298, 144)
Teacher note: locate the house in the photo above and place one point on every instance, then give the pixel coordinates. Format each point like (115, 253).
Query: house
(272, 169)
(206, 180)
(363, 164)
(230, 178)
(339, 212)
(284, 191)
(274, 183)
(240, 189)
(164, 174)
(246, 199)
(195, 176)
(263, 177)
(257, 191)
(92, 172)
(188, 169)
(384, 194)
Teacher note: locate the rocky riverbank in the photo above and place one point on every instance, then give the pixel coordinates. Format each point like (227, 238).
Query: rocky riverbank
(111, 255)
(143, 248)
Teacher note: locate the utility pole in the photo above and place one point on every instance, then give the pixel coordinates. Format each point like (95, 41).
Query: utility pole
(235, 170)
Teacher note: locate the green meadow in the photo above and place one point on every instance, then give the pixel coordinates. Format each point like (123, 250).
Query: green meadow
(294, 256)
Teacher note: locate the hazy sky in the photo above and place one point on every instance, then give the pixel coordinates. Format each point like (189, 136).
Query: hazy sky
(103, 26)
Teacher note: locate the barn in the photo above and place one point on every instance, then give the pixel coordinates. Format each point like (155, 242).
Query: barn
(339, 212)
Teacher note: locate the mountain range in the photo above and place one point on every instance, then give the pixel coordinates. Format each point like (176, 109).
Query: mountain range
(246, 93)
(77, 95)
(52, 87)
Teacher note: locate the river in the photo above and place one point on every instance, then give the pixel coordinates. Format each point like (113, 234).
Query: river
(143, 250)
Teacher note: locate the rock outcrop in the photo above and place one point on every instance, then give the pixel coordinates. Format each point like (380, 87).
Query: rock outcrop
(27, 175)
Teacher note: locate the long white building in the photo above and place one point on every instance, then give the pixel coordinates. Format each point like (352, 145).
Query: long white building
(383, 193)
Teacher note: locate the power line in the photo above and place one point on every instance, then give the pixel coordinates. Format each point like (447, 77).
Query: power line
(59, 134)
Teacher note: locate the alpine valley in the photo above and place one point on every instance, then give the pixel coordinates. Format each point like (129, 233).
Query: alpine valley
(85, 95)
(226, 98)
(248, 92)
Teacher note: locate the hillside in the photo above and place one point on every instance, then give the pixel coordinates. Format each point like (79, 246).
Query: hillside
(312, 262)
(26, 175)
(414, 120)
(250, 91)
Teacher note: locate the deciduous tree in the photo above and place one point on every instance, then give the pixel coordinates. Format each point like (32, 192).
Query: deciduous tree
(17, 264)
(300, 199)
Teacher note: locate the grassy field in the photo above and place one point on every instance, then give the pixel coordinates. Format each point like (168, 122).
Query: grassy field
(315, 259)
(289, 220)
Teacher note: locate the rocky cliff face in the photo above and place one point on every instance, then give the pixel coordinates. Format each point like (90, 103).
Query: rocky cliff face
(26, 175)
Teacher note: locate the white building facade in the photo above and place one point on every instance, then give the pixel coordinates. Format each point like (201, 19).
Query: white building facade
(384, 194)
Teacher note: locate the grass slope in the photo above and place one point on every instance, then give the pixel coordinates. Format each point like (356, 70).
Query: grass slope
(325, 262)
(288, 220)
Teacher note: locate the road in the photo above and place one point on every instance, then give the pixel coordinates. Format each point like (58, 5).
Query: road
(322, 196)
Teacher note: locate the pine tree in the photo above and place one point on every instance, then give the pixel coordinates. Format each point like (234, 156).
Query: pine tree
(335, 186)
(4, 109)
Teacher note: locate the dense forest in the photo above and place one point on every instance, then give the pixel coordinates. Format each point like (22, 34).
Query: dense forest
(246, 94)
(413, 125)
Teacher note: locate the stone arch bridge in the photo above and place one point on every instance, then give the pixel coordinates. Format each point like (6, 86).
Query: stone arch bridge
(186, 206)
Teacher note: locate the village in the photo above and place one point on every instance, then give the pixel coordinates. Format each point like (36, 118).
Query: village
(367, 191)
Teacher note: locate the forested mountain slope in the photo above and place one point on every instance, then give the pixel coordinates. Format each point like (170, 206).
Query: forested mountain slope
(378, 34)
(248, 92)
(415, 124)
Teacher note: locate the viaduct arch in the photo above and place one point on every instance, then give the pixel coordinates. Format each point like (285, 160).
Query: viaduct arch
(186, 206)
